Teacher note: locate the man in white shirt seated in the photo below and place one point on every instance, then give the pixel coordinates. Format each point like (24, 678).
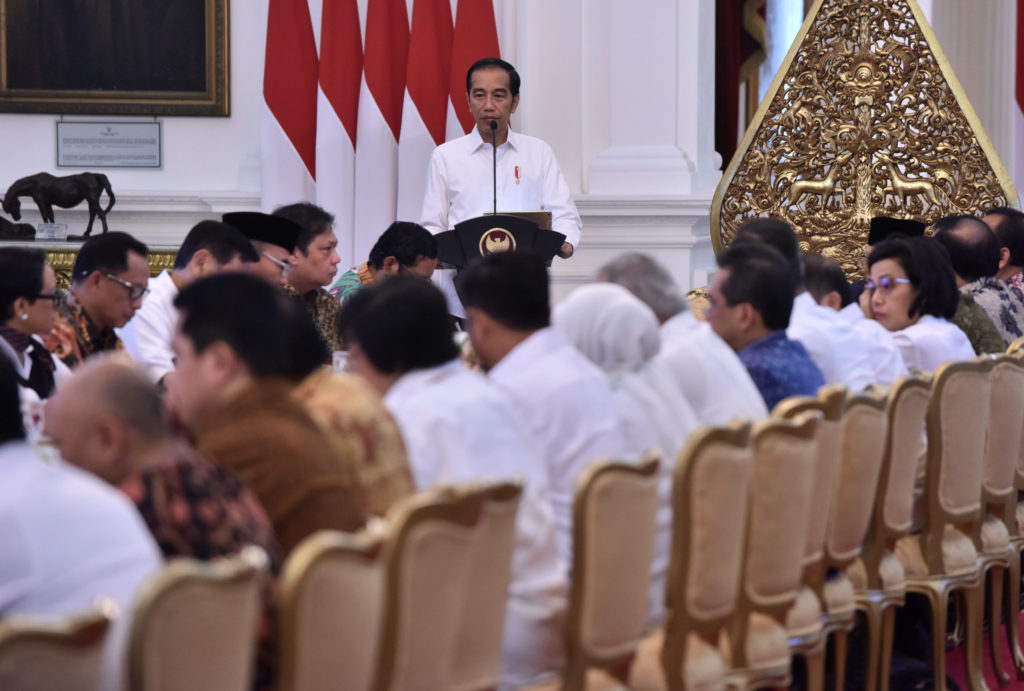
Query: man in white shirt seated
(210, 247)
(461, 178)
(564, 398)
(837, 350)
(707, 370)
(67, 539)
(460, 428)
(827, 284)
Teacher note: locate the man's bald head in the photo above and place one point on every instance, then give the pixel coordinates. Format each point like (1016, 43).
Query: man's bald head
(972, 246)
(105, 416)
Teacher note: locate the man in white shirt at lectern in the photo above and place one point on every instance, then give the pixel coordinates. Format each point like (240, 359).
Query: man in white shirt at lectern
(462, 184)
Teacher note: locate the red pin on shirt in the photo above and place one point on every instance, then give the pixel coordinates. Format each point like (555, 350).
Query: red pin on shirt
(517, 175)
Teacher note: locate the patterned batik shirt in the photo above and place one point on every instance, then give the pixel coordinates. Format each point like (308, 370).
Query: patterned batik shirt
(1000, 304)
(352, 281)
(781, 367)
(75, 335)
(980, 330)
(1016, 285)
(323, 308)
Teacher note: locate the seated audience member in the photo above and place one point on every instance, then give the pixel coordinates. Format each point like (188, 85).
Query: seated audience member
(834, 346)
(351, 415)
(459, 428)
(911, 291)
(974, 250)
(751, 299)
(234, 349)
(68, 540)
(881, 228)
(210, 247)
(108, 282)
(619, 334)
(1008, 225)
(108, 420)
(711, 377)
(827, 284)
(565, 400)
(272, 237)
(404, 249)
(314, 262)
(28, 299)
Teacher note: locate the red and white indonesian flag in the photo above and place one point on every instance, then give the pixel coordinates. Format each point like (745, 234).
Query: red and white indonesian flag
(341, 71)
(351, 125)
(288, 130)
(380, 121)
(425, 110)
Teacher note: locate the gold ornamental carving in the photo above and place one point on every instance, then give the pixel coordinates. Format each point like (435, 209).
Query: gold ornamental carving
(864, 118)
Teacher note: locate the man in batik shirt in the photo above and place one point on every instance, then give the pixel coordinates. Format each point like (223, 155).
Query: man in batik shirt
(108, 281)
(404, 249)
(1008, 225)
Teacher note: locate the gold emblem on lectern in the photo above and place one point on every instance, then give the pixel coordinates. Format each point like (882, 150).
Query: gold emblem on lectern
(864, 118)
(496, 240)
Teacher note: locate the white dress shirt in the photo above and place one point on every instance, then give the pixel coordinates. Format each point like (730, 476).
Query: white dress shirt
(883, 354)
(460, 185)
(837, 350)
(568, 407)
(68, 539)
(931, 342)
(458, 427)
(708, 372)
(147, 335)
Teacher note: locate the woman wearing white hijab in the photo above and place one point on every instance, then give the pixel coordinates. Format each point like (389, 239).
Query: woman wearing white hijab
(619, 334)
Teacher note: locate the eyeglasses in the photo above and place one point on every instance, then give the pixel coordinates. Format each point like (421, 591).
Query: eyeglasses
(886, 284)
(135, 291)
(286, 268)
(56, 296)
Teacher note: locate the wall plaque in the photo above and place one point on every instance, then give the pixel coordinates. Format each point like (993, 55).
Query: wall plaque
(109, 145)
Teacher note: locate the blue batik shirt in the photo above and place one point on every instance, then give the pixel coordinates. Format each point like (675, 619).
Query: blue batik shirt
(781, 367)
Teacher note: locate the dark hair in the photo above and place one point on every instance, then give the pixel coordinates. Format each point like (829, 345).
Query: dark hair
(511, 287)
(401, 324)
(760, 275)
(927, 265)
(484, 63)
(21, 276)
(12, 424)
(404, 241)
(1010, 232)
(822, 276)
(972, 246)
(107, 252)
(778, 234)
(311, 218)
(243, 311)
(222, 241)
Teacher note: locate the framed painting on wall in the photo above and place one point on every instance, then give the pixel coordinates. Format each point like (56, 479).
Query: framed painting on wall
(114, 57)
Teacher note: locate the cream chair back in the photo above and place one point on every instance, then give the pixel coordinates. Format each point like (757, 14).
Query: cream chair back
(331, 597)
(1005, 427)
(63, 655)
(904, 446)
(195, 625)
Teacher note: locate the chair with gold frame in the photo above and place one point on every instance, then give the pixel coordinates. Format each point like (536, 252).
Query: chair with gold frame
(613, 546)
(942, 559)
(427, 557)
(1017, 534)
(711, 485)
(1016, 348)
(477, 657)
(67, 654)
(195, 624)
(330, 599)
(878, 577)
(804, 621)
(784, 451)
(999, 498)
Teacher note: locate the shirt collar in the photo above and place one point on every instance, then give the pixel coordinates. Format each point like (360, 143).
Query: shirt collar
(530, 350)
(414, 380)
(764, 340)
(476, 141)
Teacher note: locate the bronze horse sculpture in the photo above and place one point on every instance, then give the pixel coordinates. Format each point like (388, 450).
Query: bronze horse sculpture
(66, 192)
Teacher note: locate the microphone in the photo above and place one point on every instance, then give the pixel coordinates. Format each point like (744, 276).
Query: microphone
(494, 164)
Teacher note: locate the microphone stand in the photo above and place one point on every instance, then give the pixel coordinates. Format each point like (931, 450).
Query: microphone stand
(494, 163)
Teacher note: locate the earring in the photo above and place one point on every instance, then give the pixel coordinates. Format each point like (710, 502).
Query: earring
(24, 316)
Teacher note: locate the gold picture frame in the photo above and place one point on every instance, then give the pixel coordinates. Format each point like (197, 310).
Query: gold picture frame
(114, 57)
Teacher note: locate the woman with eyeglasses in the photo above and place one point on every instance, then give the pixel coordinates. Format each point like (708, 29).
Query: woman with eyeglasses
(911, 291)
(28, 297)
